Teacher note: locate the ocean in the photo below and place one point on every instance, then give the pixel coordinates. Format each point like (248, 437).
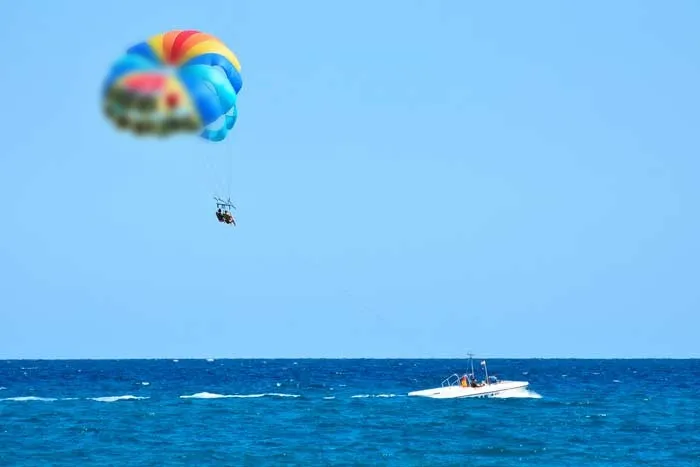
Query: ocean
(346, 412)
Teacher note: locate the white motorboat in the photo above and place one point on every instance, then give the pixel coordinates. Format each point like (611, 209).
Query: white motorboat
(456, 386)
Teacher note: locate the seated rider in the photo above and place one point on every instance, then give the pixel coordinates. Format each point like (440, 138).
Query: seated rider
(222, 213)
(228, 218)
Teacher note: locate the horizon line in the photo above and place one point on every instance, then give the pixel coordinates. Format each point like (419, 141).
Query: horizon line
(339, 358)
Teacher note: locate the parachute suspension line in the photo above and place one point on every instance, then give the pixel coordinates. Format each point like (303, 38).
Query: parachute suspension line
(220, 172)
(212, 174)
(229, 171)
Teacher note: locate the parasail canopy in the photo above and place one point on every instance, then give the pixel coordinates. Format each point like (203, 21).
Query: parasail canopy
(175, 82)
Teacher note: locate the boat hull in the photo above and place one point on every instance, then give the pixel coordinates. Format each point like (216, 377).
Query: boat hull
(458, 392)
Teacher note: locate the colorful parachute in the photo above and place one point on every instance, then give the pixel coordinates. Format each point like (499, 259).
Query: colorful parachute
(178, 81)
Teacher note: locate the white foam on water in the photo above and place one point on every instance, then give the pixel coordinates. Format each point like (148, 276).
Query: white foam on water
(210, 395)
(29, 399)
(520, 393)
(204, 395)
(365, 396)
(127, 397)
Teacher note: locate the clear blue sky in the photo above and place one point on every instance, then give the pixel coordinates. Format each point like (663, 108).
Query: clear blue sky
(413, 179)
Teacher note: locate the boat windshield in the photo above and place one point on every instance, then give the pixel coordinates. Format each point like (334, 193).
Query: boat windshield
(452, 380)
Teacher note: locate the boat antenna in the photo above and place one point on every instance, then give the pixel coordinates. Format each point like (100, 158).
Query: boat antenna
(471, 360)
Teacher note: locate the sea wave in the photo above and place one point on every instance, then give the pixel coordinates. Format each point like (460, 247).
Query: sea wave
(365, 396)
(512, 394)
(127, 397)
(29, 399)
(210, 395)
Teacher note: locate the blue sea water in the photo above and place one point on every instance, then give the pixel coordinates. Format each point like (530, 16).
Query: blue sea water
(346, 412)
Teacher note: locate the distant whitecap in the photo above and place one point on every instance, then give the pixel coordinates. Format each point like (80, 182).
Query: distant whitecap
(29, 399)
(127, 397)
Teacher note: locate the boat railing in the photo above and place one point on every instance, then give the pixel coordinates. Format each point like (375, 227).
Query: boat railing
(452, 380)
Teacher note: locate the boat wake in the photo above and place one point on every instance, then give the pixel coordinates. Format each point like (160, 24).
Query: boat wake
(520, 393)
(369, 396)
(209, 395)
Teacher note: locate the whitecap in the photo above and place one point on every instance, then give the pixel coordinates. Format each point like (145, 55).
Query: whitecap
(329, 397)
(145, 383)
(204, 395)
(127, 397)
(616, 381)
(29, 399)
(365, 396)
(209, 395)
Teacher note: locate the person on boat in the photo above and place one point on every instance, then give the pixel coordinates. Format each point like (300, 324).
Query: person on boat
(463, 381)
